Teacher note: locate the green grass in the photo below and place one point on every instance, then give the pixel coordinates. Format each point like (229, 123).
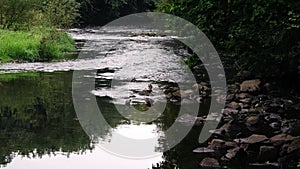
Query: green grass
(35, 45)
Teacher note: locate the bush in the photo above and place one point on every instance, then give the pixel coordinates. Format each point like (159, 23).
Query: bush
(262, 36)
(35, 45)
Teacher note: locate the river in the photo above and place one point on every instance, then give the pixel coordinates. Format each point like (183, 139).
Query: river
(41, 129)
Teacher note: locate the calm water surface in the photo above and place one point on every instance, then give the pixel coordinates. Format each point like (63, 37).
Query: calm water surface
(39, 127)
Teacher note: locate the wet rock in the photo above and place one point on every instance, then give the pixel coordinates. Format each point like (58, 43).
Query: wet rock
(231, 129)
(250, 85)
(234, 105)
(229, 111)
(273, 117)
(244, 95)
(253, 123)
(236, 153)
(291, 126)
(294, 146)
(230, 144)
(217, 144)
(267, 153)
(199, 99)
(230, 97)
(275, 125)
(254, 138)
(188, 119)
(210, 163)
(203, 150)
(281, 139)
(246, 100)
(245, 107)
(169, 96)
(201, 86)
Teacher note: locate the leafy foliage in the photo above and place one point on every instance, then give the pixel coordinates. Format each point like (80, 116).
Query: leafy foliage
(260, 36)
(34, 45)
(25, 14)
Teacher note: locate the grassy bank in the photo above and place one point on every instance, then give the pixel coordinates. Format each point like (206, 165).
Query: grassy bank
(34, 45)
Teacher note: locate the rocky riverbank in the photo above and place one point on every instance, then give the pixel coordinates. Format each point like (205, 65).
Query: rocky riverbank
(259, 127)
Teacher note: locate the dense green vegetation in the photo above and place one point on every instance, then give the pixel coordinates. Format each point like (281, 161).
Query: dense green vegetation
(29, 29)
(259, 36)
(34, 45)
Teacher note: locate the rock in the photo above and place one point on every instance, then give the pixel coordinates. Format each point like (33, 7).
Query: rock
(230, 144)
(177, 93)
(236, 153)
(280, 139)
(275, 125)
(254, 138)
(250, 85)
(253, 122)
(169, 96)
(232, 128)
(188, 119)
(199, 99)
(234, 105)
(273, 117)
(244, 95)
(210, 163)
(294, 146)
(188, 91)
(246, 100)
(203, 150)
(217, 144)
(267, 153)
(228, 111)
(199, 86)
(230, 97)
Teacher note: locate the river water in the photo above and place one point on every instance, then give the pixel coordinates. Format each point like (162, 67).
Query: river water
(41, 129)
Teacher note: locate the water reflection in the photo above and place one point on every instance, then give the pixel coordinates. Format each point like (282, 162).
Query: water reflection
(40, 128)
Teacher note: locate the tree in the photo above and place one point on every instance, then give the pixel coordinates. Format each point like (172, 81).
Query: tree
(261, 36)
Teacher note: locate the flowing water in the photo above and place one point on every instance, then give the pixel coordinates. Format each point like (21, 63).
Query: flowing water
(40, 128)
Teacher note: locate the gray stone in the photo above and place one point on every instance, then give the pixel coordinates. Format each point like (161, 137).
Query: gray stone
(203, 150)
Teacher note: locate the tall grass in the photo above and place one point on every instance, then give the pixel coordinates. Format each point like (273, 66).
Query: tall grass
(34, 45)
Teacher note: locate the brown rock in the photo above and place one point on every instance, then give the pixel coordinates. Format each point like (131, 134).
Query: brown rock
(210, 163)
(217, 144)
(234, 105)
(280, 139)
(230, 97)
(250, 85)
(244, 95)
(254, 138)
(253, 122)
(295, 145)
